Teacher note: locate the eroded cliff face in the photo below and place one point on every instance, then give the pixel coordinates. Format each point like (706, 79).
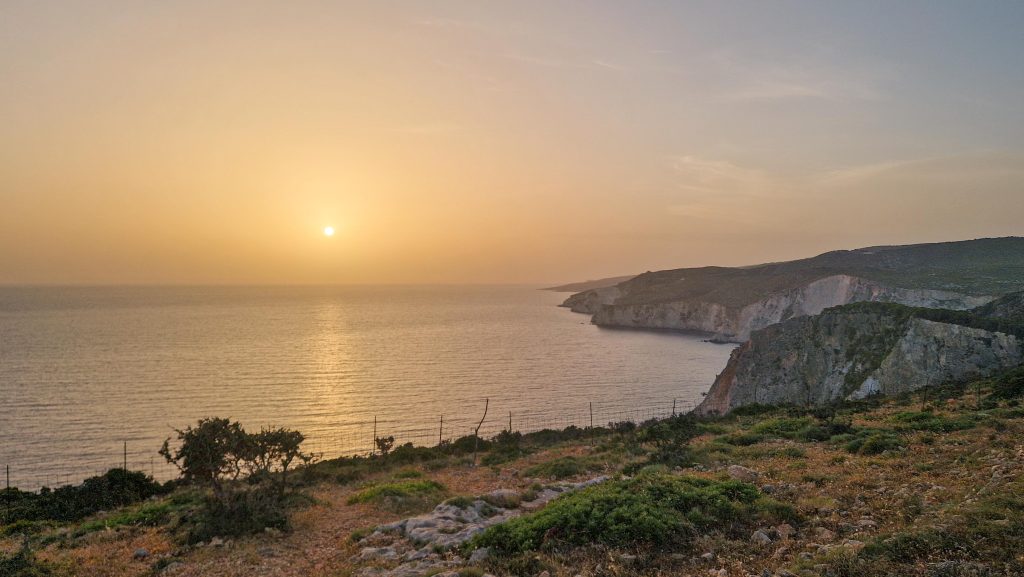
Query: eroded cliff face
(932, 353)
(735, 324)
(840, 354)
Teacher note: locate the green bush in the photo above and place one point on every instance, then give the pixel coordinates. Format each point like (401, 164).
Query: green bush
(115, 488)
(561, 468)
(649, 510)
(671, 440)
(874, 444)
(24, 564)
(402, 496)
(742, 439)
(936, 423)
(396, 489)
(149, 515)
(785, 427)
(1009, 385)
(408, 474)
(238, 513)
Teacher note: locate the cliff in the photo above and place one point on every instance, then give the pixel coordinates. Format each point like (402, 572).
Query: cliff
(731, 303)
(862, 349)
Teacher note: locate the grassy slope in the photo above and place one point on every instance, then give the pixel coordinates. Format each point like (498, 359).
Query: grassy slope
(893, 487)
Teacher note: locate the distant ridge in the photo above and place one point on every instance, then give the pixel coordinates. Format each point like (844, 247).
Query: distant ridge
(589, 284)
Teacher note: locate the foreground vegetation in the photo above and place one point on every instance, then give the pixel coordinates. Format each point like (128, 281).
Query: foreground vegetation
(927, 485)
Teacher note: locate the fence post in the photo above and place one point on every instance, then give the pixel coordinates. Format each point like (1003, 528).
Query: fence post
(440, 432)
(476, 432)
(591, 414)
(673, 407)
(510, 422)
(125, 457)
(373, 447)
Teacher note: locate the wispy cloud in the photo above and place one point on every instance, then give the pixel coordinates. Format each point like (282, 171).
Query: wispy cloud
(758, 80)
(720, 189)
(566, 63)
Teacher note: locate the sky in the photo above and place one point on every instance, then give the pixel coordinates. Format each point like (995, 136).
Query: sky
(482, 142)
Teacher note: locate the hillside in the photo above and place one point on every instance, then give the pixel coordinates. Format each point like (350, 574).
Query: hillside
(732, 302)
(914, 486)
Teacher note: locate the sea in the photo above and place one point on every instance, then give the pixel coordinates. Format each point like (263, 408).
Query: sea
(97, 377)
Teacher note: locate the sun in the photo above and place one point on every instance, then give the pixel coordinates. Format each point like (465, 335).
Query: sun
(328, 231)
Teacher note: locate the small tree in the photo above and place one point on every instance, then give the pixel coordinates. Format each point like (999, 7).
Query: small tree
(208, 453)
(384, 444)
(219, 450)
(273, 450)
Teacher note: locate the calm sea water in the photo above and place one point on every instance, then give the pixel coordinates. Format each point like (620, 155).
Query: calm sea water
(84, 370)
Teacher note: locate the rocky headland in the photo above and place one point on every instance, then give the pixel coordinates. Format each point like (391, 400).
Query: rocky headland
(731, 303)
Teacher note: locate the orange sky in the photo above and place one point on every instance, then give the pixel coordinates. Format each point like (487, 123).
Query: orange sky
(195, 142)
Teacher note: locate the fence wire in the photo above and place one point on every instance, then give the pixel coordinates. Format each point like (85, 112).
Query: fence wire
(352, 438)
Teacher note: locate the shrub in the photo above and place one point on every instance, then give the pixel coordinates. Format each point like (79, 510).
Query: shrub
(115, 488)
(408, 474)
(671, 439)
(936, 423)
(742, 439)
(875, 444)
(149, 515)
(785, 427)
(24, 564)
(240, 513)
(561, 468)
(402, 496)
(384, 445)
(649, 510)
(1009, 385)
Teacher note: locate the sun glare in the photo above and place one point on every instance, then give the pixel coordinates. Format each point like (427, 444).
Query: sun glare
(328, 231)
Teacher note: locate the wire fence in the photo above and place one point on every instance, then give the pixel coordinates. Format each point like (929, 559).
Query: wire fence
(352, 438)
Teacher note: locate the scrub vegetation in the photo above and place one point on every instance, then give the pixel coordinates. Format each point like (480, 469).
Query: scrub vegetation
(924, 485)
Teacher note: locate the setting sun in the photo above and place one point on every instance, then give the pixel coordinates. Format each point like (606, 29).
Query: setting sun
(328, 231)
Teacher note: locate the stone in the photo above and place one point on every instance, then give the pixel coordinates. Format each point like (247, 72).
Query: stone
(140, 554)
(824, 534)
(785, 531)
(709, 556)
(741, 473)
(479, 556)
(627, 559)
(378, 554)
(760, 537)
(416, 555)
(504, 498)
(216, 542)
(853, 544)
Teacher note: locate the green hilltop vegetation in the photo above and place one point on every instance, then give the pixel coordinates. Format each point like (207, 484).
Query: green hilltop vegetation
(991, 266)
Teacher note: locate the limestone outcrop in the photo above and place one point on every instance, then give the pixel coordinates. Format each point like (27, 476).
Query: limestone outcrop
(858, 350)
